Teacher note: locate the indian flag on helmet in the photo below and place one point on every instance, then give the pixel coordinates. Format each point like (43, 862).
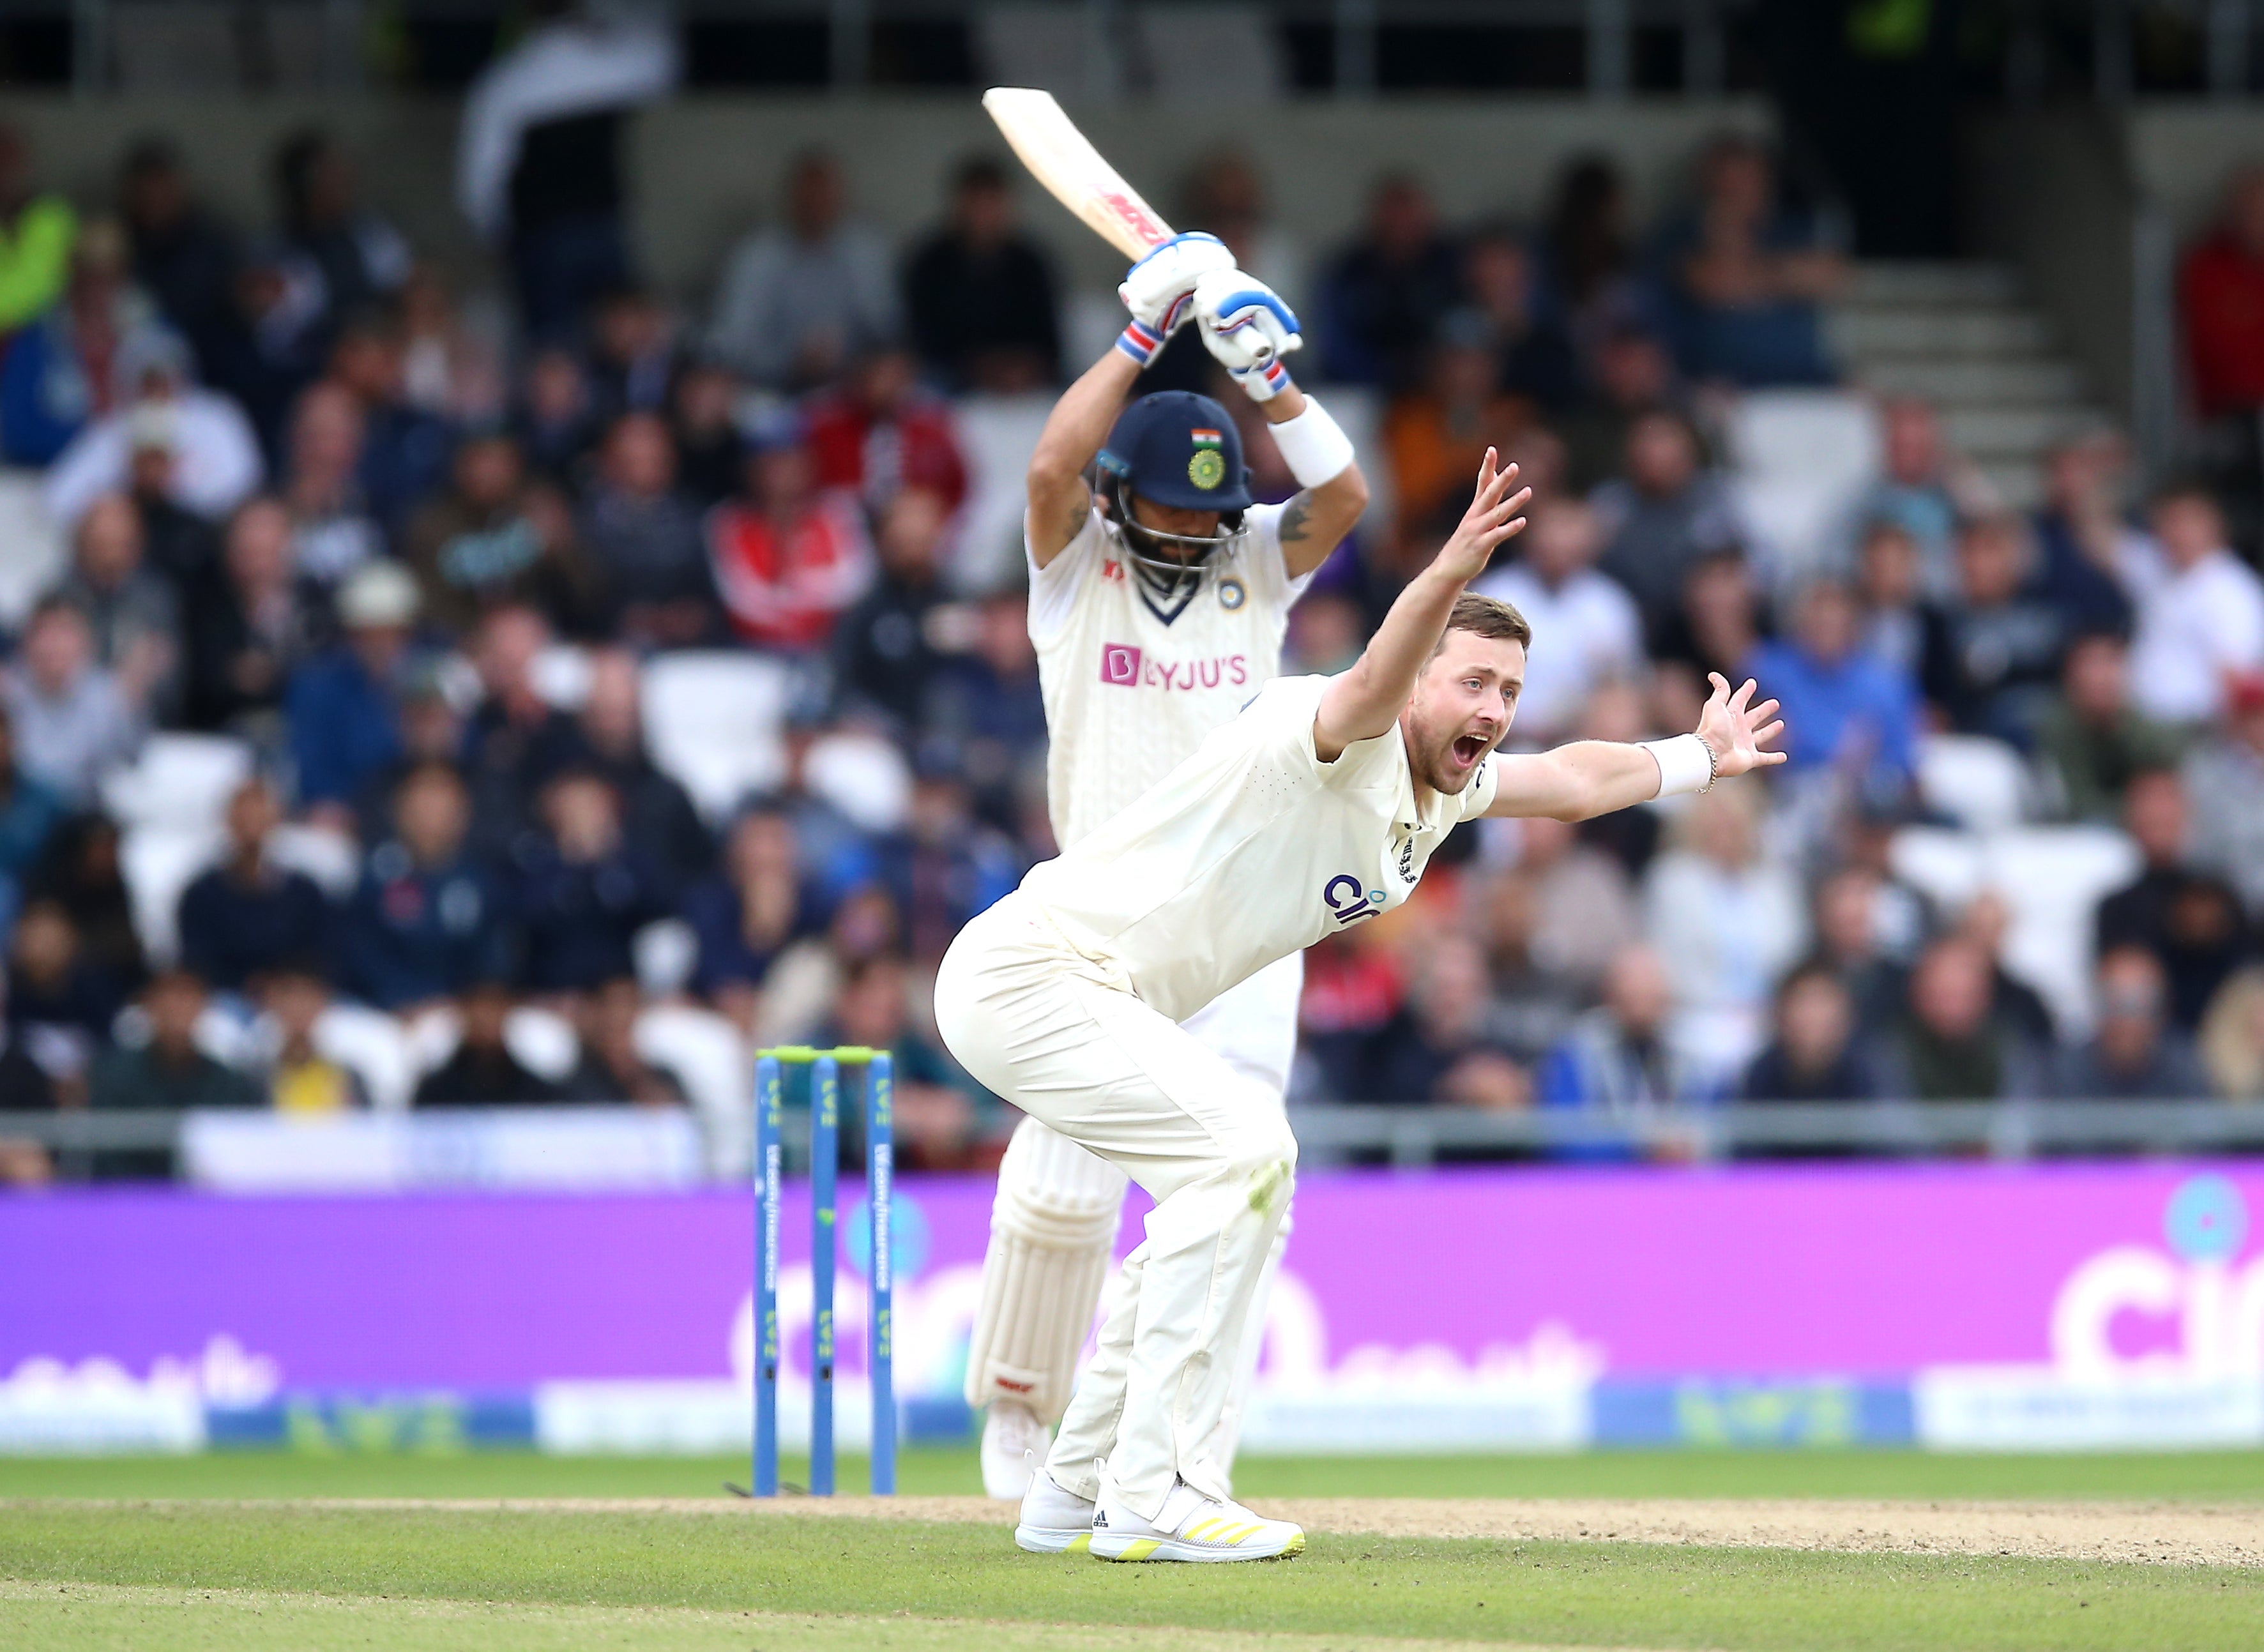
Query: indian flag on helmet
(1207, 465)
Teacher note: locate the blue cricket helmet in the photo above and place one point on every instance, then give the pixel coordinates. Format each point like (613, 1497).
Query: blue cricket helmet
(1178, 449)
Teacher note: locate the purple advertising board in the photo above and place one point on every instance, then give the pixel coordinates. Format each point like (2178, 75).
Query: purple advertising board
(1515, 1294)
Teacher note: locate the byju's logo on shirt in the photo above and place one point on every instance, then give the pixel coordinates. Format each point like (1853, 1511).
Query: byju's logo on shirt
(1350, 900)
(1124, 666)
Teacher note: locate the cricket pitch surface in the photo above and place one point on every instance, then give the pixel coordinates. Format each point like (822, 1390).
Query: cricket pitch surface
(272, 1554)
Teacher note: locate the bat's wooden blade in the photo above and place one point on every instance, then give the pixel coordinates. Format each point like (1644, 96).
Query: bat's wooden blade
(1060, 157)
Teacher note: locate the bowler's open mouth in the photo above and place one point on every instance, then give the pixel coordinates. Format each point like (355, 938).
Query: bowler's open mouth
(1470, 748)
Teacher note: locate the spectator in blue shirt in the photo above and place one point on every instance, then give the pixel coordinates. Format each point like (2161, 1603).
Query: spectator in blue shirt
(946, 866)
(1388, 290)
(750, 912)
(56, 374)
(405, 450)
(1748, 276)
(428, 921)
(29, 813)
(344, 708)
(989, 706)
(583, 891)
(248, 916)
(1617, 1061)
(1858, 712)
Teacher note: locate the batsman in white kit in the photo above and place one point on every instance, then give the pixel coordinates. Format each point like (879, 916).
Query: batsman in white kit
(1314, 809)
(1158, 610)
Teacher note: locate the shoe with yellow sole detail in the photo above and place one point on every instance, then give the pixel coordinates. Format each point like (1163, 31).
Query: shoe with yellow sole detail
(1191, 1527)
(1053, 1521)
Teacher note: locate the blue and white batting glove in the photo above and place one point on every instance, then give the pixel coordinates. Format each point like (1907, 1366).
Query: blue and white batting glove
(1159, 288)
(1248, 328)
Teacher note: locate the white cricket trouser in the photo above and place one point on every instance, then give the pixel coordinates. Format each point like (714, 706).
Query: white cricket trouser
(1048, 1029)
(1052, 1224)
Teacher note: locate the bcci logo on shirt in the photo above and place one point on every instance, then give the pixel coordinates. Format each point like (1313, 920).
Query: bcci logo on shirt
(1120, 665)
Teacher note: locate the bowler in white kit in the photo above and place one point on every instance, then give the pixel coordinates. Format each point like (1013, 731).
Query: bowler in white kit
(1316, 808)
(1158, 600)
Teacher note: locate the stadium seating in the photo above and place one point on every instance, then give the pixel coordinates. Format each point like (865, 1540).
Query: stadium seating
(714, 720)
(997, 435)
(2050, 877)
(1977, 781)
(31, 551)
(178, 781)
(158, 862)
(1802, 459)
(707, 1053)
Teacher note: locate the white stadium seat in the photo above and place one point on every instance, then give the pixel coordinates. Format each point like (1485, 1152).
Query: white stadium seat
(667, 951)
(157, 863)
(543, 1041)
(178, 781)
(1977, 781)
(1801, 458)
(996, 434)
(32, 548)
(2054, 876)
(375, 1047)
(864, 776)
(330, 858)
(706, 1051)
(2051, 878)
(714, 720)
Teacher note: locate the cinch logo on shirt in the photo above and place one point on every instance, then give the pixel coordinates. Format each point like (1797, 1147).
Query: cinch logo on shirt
(1349, 899)
(1124, 666)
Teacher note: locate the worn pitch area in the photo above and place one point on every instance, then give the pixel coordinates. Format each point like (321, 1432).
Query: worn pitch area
(2174, 1534)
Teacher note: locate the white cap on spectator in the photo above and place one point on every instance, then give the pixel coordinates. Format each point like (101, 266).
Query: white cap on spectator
(378, 593)
(153, 424)
(149, 352)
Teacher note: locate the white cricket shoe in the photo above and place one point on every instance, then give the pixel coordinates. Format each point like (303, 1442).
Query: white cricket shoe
(1054, 1521)
(1191, 1527)
(1014, 1442)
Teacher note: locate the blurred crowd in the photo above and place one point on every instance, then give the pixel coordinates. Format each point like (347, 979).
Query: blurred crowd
(424, 554)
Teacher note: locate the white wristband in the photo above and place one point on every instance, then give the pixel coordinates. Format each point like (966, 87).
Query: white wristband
(1316, 451)
(1685, 764)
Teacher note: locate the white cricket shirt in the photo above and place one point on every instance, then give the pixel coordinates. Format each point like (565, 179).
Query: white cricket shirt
(1128, 692)
(1251, 850)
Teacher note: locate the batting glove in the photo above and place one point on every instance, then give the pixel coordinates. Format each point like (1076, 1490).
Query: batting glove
(1248, 328)
(1159, 288)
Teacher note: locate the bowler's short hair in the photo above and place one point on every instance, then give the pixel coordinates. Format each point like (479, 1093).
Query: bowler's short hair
(1487, 617)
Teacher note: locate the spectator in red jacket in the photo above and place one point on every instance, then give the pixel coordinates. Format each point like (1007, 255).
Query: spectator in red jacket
(2221, 301)
(788, 556)
(881, 432)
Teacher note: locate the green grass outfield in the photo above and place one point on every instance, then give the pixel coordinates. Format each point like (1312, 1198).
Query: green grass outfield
(2215, 1476)
(189, 1574)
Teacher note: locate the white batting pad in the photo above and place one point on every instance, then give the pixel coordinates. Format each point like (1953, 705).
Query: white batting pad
(1052, 1228)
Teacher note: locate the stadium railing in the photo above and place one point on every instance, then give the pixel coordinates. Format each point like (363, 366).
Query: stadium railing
(1403, 1136)
(1415, 1136)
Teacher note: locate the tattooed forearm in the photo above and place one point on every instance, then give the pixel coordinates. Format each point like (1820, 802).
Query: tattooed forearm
(1295, 516)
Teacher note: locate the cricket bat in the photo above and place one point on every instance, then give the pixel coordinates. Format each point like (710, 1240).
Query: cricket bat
(1064, 161)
